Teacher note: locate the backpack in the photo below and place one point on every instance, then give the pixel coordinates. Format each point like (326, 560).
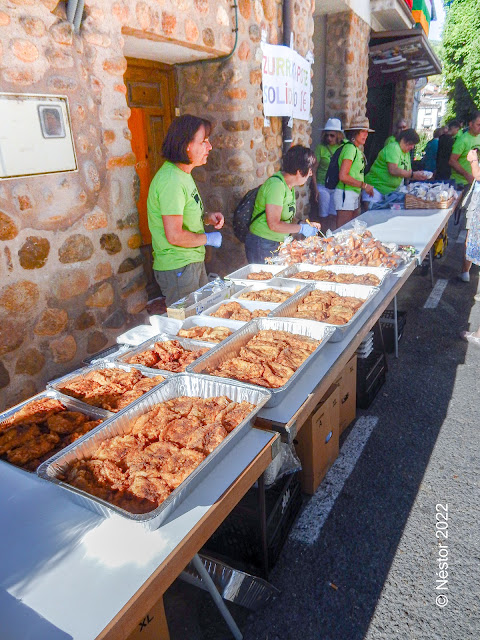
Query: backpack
(333, 172)
(242, 215)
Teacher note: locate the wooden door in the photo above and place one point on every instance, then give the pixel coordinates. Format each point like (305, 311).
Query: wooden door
(151, 98)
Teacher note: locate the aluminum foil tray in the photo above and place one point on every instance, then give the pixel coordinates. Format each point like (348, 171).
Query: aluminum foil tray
(232, 345)
(355, 290)
(275, 283)
(108, 354)
(182, 384)
(251, 305)
(241, 275)
(191, 345)
(207, 321)
(56, 384)
(72, 404)
(358, 270)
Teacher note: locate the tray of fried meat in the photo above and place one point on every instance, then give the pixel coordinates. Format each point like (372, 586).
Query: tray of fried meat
(240, 310)
(267, 352)
(33, 430)
(207, 329)
(107, 385)
(337, 273)
(337, 305)
(162, 354)
(255, 273)
(276, 291)
(144, 461)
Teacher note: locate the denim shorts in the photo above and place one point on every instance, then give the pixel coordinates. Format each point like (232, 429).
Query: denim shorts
(257, 248)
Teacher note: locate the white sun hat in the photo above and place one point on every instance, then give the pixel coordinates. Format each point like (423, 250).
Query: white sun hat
(333, 124)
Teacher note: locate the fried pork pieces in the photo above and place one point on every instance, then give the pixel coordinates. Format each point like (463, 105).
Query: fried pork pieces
(260, 275)
(343, 278)
(327, 306)
(269, 359)
(169, 356)
(139, 470)
(39, 429)
(266, 295)
(235, 311)
(207, 334)
(111, 389)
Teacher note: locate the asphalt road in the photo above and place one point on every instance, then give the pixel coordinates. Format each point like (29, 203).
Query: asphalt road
(371, 571)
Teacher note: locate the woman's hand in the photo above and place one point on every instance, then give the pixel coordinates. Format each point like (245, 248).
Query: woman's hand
(418, 175)
(368, 189)
(216, 219)
(472, 156)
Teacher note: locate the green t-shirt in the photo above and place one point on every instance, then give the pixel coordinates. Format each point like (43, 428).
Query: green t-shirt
(174, 193)
(357, 170)
(379, 176)
(389, 140)
(462, 145)
(273, 191)
(324, 154)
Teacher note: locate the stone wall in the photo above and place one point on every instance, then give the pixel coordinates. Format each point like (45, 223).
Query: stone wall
(245, 152)
(71, 276)
(347, 66)
(403, 101)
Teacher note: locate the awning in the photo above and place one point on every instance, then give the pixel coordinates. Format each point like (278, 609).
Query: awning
(401, 55)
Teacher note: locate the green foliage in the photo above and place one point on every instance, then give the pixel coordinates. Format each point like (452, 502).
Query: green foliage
(420, 147)
(461, 57)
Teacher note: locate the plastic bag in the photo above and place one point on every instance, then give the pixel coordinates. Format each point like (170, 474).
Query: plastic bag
(283, 464)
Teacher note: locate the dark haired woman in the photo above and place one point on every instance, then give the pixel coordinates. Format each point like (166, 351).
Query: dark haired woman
(176, 216)
(275, 206)
(351, 171)
(392, 166)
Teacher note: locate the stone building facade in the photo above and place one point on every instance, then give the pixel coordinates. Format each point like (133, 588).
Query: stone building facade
(71, 273)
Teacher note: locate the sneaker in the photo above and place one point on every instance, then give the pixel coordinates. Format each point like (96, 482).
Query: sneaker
(464, 277)
(470, 336)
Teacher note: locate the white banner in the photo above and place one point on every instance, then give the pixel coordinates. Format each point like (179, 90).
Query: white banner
(286, 82)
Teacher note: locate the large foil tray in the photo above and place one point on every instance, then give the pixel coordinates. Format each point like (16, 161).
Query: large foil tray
(251, 305)
(106, 364)
(182, 384)
(276, 283)
(190, 345)
(358, 270)
(230, 347)
(240, 276)
(361, 291)
(72, 404)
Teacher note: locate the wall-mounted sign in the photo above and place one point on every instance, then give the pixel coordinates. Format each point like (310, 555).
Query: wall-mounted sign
(35, 135)
(286, 83)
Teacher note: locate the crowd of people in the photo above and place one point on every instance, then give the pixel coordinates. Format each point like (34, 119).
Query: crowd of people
(339, 180)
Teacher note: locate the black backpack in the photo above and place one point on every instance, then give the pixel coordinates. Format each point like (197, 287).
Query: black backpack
(333, 172)
(242, 215)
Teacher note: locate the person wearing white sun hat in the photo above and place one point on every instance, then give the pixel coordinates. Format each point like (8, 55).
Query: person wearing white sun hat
(332, 139)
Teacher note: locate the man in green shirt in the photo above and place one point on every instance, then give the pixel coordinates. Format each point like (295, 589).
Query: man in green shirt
(392, 166)
(176, 215)
(461, 168)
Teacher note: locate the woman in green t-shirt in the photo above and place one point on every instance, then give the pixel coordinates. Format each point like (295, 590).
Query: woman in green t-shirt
(351, 163)
(331, 140)
(176, 216)
(275, 207)
(392, 166)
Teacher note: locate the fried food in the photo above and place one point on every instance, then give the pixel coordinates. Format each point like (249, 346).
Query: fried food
(138, 470)
(266, 295)
(207, 334)
(235, 311)
(110, 389)
(269, 359)
(327, 306)
(40, 428)
(260, 275)
(342, 278)
(169, 356)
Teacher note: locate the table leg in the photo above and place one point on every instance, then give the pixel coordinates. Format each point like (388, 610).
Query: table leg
(263, 524)
(217, 598)
(395, 325)
(430, 255)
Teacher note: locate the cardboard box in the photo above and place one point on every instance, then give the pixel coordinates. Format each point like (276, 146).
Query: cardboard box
(348, 392)
(317, 441)
(153, 626)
